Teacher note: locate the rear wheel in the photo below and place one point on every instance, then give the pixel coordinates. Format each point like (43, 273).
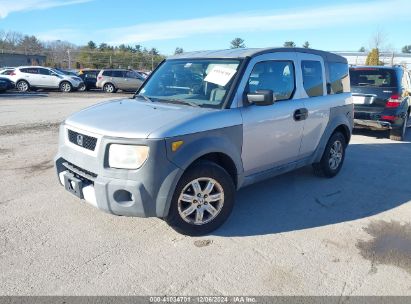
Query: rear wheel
(399, 134)
(202, 201)
(22, 86)
(333, 157)
(66, 87)
(109, 88)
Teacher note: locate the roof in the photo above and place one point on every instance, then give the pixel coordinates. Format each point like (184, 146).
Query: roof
(386, 67)
(252, 52)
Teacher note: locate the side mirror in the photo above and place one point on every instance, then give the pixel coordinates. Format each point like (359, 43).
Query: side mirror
(261, 98)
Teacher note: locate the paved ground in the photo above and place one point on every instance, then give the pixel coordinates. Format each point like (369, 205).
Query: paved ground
(292, 235)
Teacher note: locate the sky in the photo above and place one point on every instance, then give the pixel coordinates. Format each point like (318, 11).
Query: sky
(211, 24)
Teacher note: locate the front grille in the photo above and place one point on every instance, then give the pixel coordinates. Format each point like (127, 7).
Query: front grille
(85, 141)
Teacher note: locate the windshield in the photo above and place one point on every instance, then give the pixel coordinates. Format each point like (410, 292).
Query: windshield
(58, 72)
(203, 83)
(372, 77)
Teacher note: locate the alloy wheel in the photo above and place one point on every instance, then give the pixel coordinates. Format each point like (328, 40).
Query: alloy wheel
(200, 201)
(336, 155)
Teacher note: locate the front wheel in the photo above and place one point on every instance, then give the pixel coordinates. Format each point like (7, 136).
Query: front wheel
(66, 87)
(202, 201)
(333, 157)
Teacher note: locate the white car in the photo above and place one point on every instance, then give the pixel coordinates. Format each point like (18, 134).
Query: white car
(37, 77)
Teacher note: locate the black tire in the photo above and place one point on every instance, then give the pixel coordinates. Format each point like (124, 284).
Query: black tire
(224, 184)
(399, 134)
(109, 88)
(82, 88)
(66, 87)
(22, 86)
(326, 166)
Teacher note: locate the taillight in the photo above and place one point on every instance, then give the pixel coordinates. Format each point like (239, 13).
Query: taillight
(393, 102)
(12, 74)
(99, 77)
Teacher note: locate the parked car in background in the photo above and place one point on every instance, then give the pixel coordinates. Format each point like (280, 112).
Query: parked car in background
(142, 74)
(37, 77)
(111, 80)
(89, 78)
(4, 72)
(204, 125)
(6, 84)
(381, 96)
(68, 72)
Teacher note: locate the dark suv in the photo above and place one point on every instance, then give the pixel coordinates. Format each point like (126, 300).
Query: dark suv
(381, 97)
(89, 77)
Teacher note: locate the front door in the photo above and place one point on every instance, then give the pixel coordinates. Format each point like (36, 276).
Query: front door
(272, 134)
(47, 80)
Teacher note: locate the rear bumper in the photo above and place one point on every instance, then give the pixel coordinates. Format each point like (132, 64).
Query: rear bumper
(372, 124)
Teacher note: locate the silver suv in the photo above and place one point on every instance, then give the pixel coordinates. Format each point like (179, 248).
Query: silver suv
(111, 80)
(37, 77)
(203, 125)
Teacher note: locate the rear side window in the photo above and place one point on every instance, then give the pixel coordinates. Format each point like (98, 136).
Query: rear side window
(30, 70)
(7, 72)
(313, 77)
(277, 76)
(117, 74)
(339, 77)
(107, 73)
(373, 77)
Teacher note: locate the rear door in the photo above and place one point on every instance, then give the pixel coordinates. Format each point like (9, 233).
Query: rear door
(371, 88)
(315, 101)
(31, 75)
(118, 78)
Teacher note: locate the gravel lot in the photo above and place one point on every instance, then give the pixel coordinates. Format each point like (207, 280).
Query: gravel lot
(292, 235)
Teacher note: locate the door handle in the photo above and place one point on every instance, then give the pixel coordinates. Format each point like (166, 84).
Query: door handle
(300, 114)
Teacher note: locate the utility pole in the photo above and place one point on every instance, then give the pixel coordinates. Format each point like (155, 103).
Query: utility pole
(69, 58)
(152, 62)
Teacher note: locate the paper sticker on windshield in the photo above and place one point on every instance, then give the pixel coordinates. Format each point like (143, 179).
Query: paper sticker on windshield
(220, 75)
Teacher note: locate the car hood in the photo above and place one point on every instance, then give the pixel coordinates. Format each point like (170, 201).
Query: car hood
(130, 118)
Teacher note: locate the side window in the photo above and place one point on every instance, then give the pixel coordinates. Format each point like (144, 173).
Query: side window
(44, 72)
(30, 70)
(131, 74)
(339, 79)
(119, 74)
(312, 78)
(277, 76)
(107, 73)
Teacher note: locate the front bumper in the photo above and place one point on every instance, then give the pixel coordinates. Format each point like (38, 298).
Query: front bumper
(144, 192)
(77, 84)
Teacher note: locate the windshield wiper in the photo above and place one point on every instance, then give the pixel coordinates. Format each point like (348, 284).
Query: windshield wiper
(144, 97)
(179, 101)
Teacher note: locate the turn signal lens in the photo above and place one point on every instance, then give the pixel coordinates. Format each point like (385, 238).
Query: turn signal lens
(176, 145)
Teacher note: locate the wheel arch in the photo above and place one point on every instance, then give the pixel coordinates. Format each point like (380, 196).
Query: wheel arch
(341, 120)
(221, 159)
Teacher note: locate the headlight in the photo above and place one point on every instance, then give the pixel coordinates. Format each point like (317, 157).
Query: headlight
(127, 156)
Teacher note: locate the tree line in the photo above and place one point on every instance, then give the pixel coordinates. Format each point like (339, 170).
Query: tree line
(63, 54)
